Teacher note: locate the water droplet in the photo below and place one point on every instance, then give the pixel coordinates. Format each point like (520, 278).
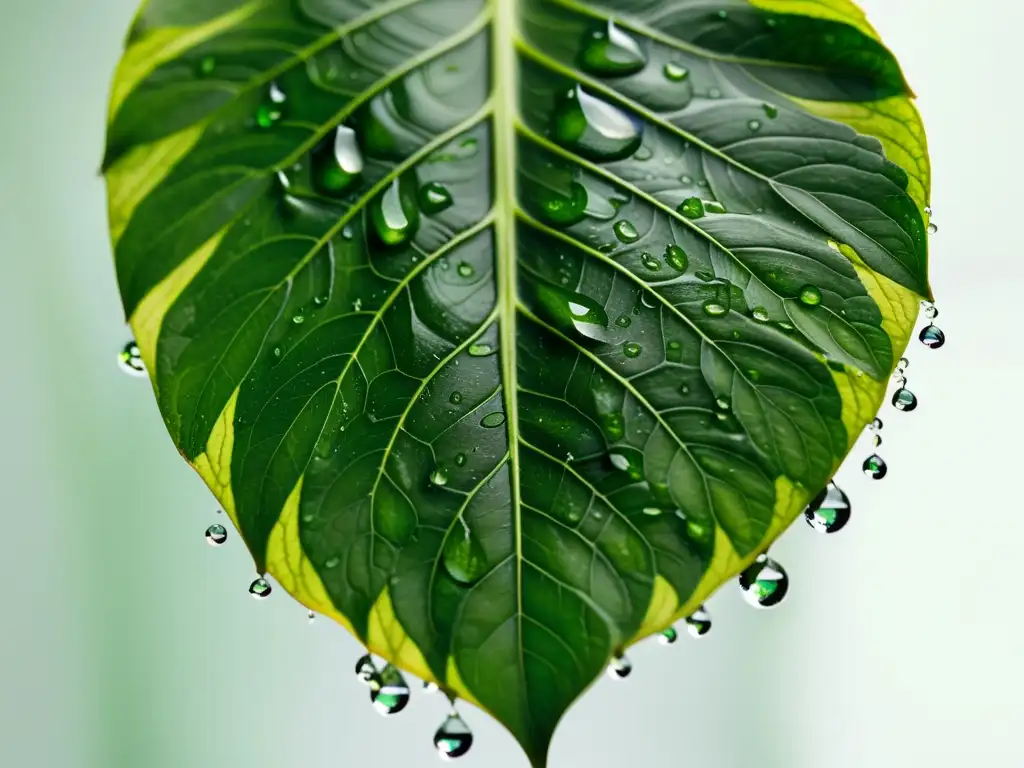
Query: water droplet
(492, 420)
(714, 93)
(650, 263)
(206, 66)
(698, 623)
(875, 467)
(611, 52)
(932, 228)
(626, 232)
(623, 321)
(691, 208)
(439, 477)
(270, 111)
(311, 617)
(713, 206)
(931, 312)
(337, 164)
(676, 258)
(391, 695)
(620, 667)
(434, 198)
(669, 636)
(216, 535)
(480, 350)
(674, 352)
(366, 670)
(130, 359)
(904, 400)
(463, 557)
(614, 425)
(810, 295)
(595, 129)
(563, 210)
(764, 583)
(395, 214)
(829, 511)
(453, 739)
(260, 588)
(460, 459)
(754, 125)
(714, 308)
(455, 398)
(631, 349)
(876, 424)
(932, 337)
(675, 72)
(902, 364)
(876, 440)
(299, 319)
(760, 314)
(770, 110)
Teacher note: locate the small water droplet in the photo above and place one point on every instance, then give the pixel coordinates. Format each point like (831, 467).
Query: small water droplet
(754, 125)
(455, 398)
(270, 111)
(932, 337)
(904, 400)
(366, 670)
(676, 258)
(876, 440)
(460, 459)
(698, 623)
(691, 208)
(395, 214)
(493, 419)
(480, 350)
(902, 364)
(434, 198)
(620, 667)
(311, 617)
(760, 314)
(453, 739)
(764, 583)
(623, 321)
(206, 66)
(332, 563)
(563, 210)
(770, 110)
(596, 129)
(829, 511)
(669, 636)
(631, 349)
(714, 93)
(260, 588)
(216, 535)
(337, 164)
(931, 312)
(439, 477)
(299, 319)
(130, 359)
(714, 308)
(810, 295)
(463, 557)
(876, 424)
(875, 467)
(626, 232)
(932, 228)
(650, 263)
(611, 52)
(392, 693)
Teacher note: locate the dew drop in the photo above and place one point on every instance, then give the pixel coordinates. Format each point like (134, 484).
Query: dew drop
(460, 459)
(754, 125)
(614, 425)
(480, 350)
(611, 52)
(810, 295)
(130, 359)
(932, 228)
(455, 398)
(216, 535)
(691, 208)
(764, 583)
(931, 312)
(206, 66)
(463, 557)
(626, 232)
(271, 110)
(904, 400)
(770, 110)
(698, 623)
(760, 314)
(903, 364)
(875, 467)
(465, 270)
(595, 129)
(713, 308)
(876, 424)
(676, 258)
(260, 588)
(366, 670)
(439, 477)
(650, 263)
(563, 210)
(391, 693)
(453, 739)
(620, 667)
(876, 440)
(829, 511)
(395, 214)
(337, 164)
(932, 337)
(631, 349)
(434, 198)
(669, 636)
(299, 319)
(623, 321)
(674, 352)
(493, 419)
(675, 72)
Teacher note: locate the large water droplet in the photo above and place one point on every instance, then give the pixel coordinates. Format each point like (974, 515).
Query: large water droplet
(875, 467)
(904, 400)
(829, 511)
(391, 695)
(130, 359)
(620, 667)
(338, 164)
(434, 198)
(932, 337)
(676, 258)
(611, 52)
(260, 588)
(595, 129)
(463, 556)
(453, 739)
(810, 295)
(395, 214)
(574, 310)
(216, 535)
(698, 623)
(493, 420)
(626, 232)
(691, 208)
(562, 210)
(764, 583)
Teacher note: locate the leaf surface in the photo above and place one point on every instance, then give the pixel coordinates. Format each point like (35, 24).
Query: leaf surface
(507, 331)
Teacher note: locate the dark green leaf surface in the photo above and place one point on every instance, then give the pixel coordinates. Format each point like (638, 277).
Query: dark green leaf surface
(524, 311)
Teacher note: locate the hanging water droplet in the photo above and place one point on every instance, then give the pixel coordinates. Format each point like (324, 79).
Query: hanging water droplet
(675, 72)
(366, 670)
(434, 198)
(439, 477)
(631, 349)
(620, 666)
(216, 535)
(931, 312)
(904, 400)
(453, 739)
(463, 556)
(492, 420)
(596, 129)
(698, 623)
(260, 588)
(611, 52)
(338, 163)
(876, 424)
(903, 364)
(876, 440)
(764, 583)
(875, 467)
(676, 258)
(626, 232)
(395, 214)
(392, 694)
(810, 295)
(932, 337)
(130, 359)
(311, 617)
(669, 636)
(932, 228)
(691, 208)
(829, 511)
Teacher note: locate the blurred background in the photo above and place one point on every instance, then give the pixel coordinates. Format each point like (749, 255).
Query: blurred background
(127, 642)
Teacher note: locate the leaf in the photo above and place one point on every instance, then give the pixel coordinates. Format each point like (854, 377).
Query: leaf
(507, 331)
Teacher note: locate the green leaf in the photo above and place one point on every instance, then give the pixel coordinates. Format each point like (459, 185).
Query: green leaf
(507, 331)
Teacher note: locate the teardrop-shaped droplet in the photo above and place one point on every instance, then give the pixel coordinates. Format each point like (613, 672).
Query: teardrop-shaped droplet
(932, 337)
(366, 670)
(611, 52)
(337, 163)
(764, 583)
(562, 210)
(904, 400)
(620, 666)
(216, 535)
(932, 228)
(669, 636)
(453, 739)
(810, 295)
(260, 588)
(395, 213)
(439, 477)
(463, 556)
(829, 512)
(876, 440)
(931, 312)
(596, 129)
(130, 359)
(392, 694)
(676, 258)
(631, 349)
(760, 314)
(876, 424)
(650, 263)
(465, 270)
(698, 623)
(626, 232)
(875, 467)
(692, 208)
(434, 198)
(574, 311)
(272, 108)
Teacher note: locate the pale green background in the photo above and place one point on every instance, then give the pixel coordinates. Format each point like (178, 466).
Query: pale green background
(127, 642)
